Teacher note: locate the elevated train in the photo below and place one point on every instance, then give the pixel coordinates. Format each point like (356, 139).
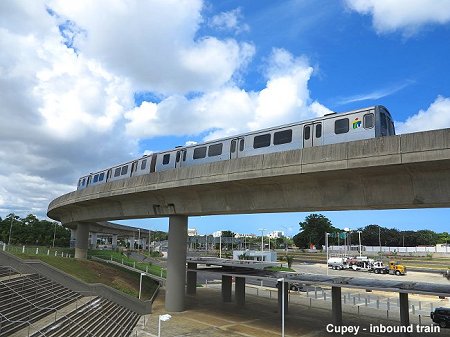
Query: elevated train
(332, 128)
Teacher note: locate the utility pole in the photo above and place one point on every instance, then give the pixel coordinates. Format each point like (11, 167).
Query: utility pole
(10, 229)
(360, 247)
(54, 236)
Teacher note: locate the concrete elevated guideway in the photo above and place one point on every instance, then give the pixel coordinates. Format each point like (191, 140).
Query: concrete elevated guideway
(82, 229)
(407, 171)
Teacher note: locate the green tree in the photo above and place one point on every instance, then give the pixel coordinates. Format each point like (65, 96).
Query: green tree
(312, 231)
(227, 234)
(32, 231)
(427, 237)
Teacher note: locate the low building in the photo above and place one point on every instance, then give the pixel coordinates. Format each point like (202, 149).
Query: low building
(192, 232)
(255, 255)
(276, 234)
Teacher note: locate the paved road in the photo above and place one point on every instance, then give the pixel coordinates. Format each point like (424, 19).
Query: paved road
(414, 276)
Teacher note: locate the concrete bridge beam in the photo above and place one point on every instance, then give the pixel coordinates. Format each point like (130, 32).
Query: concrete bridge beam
(404, 310)
(336, 305)
(227, 282)
(191, 288)
(176, 263)
(239, 291)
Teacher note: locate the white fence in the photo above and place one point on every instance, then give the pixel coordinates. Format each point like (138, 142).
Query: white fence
(442, 249)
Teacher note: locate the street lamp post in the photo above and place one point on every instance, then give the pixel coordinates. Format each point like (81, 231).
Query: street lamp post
(220, 245)
(163, 318)
(347, 247)
(360, 247)
(282, 305)
(326, 245)
(262, 238)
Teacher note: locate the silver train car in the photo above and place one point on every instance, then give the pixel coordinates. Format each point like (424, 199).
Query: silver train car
(332, 128)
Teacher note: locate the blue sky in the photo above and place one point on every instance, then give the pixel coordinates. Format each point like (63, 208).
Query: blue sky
(85, 85)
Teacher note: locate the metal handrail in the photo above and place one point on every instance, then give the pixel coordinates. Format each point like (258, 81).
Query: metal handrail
(18, 321)
(76, 323)
(124, 328)
(31, 303)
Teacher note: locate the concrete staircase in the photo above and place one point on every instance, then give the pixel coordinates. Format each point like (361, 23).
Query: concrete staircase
(99, 318)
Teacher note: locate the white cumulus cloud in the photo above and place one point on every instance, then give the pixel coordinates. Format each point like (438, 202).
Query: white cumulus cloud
(230, 20)
(154, 44)
(232, 110)
(69, 73)
(437, 116)
(407, 16)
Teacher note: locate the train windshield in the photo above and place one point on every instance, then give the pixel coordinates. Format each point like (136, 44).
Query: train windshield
(386, 124)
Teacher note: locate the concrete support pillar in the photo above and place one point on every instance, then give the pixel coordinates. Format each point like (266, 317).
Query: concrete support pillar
(93, 240)
(81, 243)
(404, 310)
(286, 292)
(239, 291)
(73, 237)
(227, 282)
(336, 305)
(176, 263)
(144, 243)
(131, 241)
(114, 241)
(191, 279)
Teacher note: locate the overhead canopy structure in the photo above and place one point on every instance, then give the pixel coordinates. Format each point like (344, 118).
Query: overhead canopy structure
(252, 269)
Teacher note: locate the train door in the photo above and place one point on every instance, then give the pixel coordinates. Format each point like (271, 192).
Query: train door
(312, 134)
(236, 146)
(180, 157)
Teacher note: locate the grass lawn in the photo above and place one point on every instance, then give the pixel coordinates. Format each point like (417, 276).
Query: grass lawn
(96, 272)
(122, 258)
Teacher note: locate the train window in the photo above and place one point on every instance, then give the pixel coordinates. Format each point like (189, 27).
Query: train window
(341, 126)
(307, 132)
(200, 152)
(95, 178)
(318, 130)
(261, 141)
(117, 172)
(84, 181)
(184, 155)
(177, 158)
(368, 121)
(215, 150)
(143, 164)
(233, 146)
(124, 170)
(166, 159)
(282, 137)
(241, 145)
(101, 176)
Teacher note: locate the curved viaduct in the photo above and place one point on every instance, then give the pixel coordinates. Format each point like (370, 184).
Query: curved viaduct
(406, 171)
